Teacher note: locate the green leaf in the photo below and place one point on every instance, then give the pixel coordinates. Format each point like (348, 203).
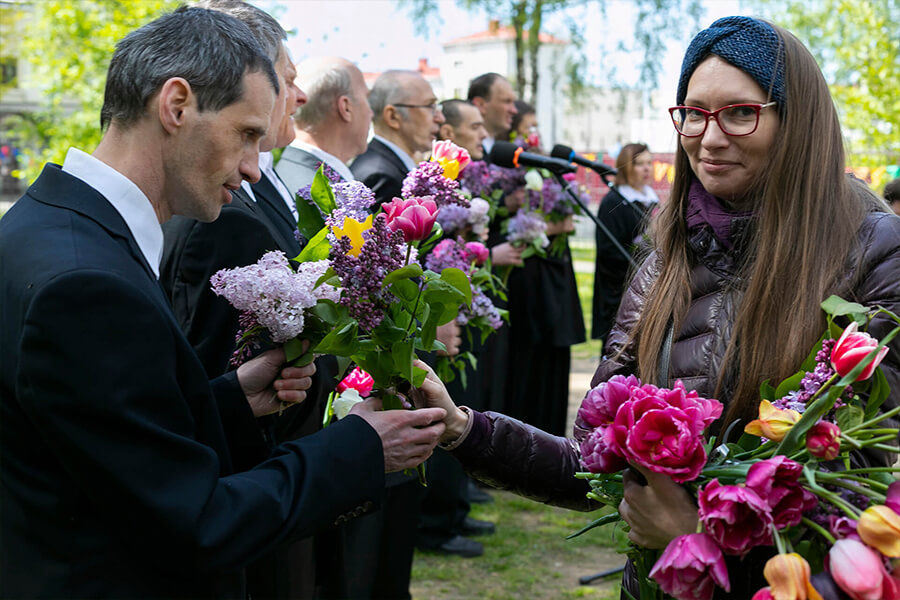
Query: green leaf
(789, 385)
(766, 391)
(309, 219)
(340, 341)
(402, 355)
(406, 290)
(317, 248)
(458, 279)
(407, 272)
(387, 332)
(419, 376)
(837, 307)
(605, 519)
(321, 192)
(849, 416)
(794, 439)
(878, 393)
(293, 350)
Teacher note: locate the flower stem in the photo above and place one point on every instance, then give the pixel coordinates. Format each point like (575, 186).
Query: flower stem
(818, 529)
(874, 420)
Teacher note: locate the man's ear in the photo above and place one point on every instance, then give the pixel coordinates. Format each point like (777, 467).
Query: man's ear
(391, 116)
(175, 99)
(445, 132)
(345, 108)
(479, 102)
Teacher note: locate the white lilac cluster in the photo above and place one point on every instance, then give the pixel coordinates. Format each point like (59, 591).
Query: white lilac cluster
(454, 218)
(273, 293)
(528, 227)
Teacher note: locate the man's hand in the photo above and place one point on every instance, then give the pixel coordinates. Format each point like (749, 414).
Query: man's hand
(266, 394)
(567, 225)
(449, 334)
(657, 512)
(408, 437)
(506, 254)
(514, 200)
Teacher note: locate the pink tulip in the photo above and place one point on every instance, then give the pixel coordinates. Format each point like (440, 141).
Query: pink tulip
(478, 252)
(763, 594)
(597, 453)
(852, 348)
(601, 402)
(415, 217)
(823, 440)
(776, 480)
(735, 516)
(842, 527)
(857, 569)
(893, 497)
(451, 157)
(691, 567)
(358, 380)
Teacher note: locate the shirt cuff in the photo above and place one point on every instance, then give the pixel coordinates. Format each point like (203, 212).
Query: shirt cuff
(455, 443)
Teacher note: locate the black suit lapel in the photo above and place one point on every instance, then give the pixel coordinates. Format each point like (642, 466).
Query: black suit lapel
(382, 149)
(273, 211)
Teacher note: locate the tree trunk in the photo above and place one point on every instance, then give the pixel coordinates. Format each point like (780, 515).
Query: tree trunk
(520, 17)
(534, 46)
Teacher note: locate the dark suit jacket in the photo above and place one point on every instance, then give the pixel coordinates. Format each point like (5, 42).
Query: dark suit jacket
(381, 170)
(116, 472)
(278, 215)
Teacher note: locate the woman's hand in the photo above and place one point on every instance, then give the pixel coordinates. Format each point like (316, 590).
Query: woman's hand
(657, 512)
(506, 254)
(433, 394)
(567, 225)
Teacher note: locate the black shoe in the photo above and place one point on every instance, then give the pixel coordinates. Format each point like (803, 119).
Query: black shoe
(476, 495)
(459, 546)
(474, 527)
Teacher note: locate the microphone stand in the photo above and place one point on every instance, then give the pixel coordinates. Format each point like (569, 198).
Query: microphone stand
(567, 186)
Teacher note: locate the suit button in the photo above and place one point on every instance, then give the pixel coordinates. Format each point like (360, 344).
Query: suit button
(367, 505)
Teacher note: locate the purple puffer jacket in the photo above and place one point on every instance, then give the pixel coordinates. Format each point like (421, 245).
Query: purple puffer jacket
(514, 456)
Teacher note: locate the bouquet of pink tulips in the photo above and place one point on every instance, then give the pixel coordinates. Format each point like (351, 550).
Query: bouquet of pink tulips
(789, 482)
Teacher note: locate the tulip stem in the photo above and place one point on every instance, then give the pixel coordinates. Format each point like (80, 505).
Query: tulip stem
(818, 529)
(844, 475)
(877, 439)
(851, 441)
(844, 483)
(893, 412)
(779, 541)
(867, 470)
(824, 387)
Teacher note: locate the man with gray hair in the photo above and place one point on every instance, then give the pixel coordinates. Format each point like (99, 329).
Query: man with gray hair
(332, 127)
(406, 120)
(117, 478)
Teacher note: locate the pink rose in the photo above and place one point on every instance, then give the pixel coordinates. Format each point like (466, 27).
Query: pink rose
(597, 454)
(691, 567)
(852, 348)
(857, 569)
(478, 252)
(735, 516)
(601, 402)
(660, 436)
(415, 217)
(776, 480)
(823, 440)
(357, 379)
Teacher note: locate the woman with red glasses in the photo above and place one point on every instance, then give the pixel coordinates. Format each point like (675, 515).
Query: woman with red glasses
(762, 225)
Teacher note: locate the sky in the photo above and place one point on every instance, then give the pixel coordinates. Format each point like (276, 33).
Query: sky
(379, 34)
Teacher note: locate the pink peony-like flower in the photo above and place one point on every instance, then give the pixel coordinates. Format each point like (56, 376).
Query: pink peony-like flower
(414, 217)
(601, 402)
(450, 156)
(823, 440)
(477, 252)
(358, 380)
(850, 350)
(857, 569)
(735, 516)
(662, 430)
(691, 567)
(597, 454)
(777, 481)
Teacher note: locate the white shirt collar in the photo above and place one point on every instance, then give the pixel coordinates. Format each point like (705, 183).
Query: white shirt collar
(245, 185)
(124, 196)
(487, 144)
(408, 162)
(329, 159)
(646, 195)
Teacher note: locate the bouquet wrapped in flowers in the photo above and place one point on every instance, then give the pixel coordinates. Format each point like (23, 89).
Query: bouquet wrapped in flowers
(790, 482)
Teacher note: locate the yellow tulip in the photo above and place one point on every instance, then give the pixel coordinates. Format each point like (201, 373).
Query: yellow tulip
(450, 166)
(353, 229)
(879, 527)
(773, 423)
(788, 577)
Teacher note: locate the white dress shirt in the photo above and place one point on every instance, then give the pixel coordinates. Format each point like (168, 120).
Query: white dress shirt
(124, 196)
(487, 144)
(329, 159)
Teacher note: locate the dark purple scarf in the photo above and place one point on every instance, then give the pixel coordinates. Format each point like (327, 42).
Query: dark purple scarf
(705, 209)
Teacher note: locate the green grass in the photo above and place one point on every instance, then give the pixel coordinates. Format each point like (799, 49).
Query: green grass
(528, 557)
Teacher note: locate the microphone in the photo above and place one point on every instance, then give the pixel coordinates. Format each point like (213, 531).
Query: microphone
(505, 154)
(567, 154)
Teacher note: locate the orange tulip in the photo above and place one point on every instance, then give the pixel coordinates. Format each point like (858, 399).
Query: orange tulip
(788, 577)
(773, 423)
(879, 527)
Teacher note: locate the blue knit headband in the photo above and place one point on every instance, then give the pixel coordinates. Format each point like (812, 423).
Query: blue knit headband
(749, 44)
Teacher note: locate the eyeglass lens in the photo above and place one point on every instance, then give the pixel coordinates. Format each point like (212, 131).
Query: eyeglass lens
(733, 120)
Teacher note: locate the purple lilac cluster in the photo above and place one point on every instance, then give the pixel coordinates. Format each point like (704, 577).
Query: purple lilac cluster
(382, 252)
(428, 180)
(507, 180)
(448, 254)
(477, 179)
(481, 307)
(528, 227)
(353, 199)
(273, 292)
(247, 342)
(453, 218)
(811, 382)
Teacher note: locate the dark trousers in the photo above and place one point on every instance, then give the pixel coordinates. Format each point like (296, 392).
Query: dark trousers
(538, 385)
(446, 502)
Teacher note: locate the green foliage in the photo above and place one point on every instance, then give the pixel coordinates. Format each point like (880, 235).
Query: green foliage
(68, 44)
(857, 45)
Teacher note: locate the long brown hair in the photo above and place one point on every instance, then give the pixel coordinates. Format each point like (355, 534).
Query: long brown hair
(806, 220)
(625, 162)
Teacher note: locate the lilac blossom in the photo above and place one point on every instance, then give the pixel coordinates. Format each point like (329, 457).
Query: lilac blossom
(428, 180)
(382, 251)
(477, 179)
(481, 307)
(353, 200)
(453, 254)
(527, 227)
(453, 218)
(273, 293)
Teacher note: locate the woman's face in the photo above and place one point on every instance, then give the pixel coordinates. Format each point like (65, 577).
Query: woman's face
(641, 170)
(527, 125)
(727, 166)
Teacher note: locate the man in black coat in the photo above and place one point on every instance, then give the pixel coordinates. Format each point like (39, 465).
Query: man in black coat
(117, 478)
(406, 121)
